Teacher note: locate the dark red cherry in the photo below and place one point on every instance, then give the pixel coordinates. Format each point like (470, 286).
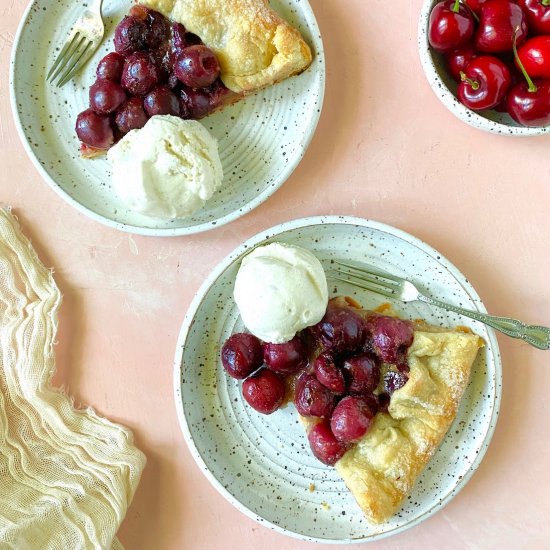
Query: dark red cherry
(106, 96)
(286, 358)
(130, 35)
(241, 355)
(194, 104)
(161, 101)
(324, 445)
(484, 83)
(94, 130)
(537, 13)
(362, 373)
(391, 337)
(351, 419)
(264, 391)
(178, 39)
(340, 330)
(499, 22)
(451, 25)
(312, 398)
(110, 67)
(197, 66)
(131, 116)
(459, 59)
(329, 374)
(140, 74)
(530, 105)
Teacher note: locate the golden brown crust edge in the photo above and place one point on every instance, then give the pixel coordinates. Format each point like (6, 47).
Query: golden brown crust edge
(381, 469)
(254, 45)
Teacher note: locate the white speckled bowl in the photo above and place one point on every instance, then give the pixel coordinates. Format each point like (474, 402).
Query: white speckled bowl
(263, 464)
(445, 88)
(261, 139)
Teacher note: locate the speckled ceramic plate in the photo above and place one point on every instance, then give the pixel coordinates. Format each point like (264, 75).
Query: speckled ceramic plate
(445, 88)
(263, 464)
(261, 139)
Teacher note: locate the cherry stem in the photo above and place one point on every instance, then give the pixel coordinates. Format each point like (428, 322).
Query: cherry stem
(456, 7)
(531, 87)
(473, 83)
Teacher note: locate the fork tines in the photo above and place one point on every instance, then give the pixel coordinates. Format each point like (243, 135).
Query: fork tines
(371, 279)
(70, 59)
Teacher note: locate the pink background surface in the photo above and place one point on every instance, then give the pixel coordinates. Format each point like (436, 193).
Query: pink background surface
(385, 149)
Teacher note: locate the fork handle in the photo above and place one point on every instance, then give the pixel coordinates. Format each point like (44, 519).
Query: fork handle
(537, 336)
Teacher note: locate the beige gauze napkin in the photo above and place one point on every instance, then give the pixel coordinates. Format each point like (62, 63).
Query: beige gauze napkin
(67, 476)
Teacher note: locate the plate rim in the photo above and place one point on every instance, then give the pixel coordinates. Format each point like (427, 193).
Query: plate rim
(239, 251)
(172, 231)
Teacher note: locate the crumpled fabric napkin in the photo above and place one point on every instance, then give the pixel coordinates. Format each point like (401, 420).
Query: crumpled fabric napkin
(67, 476)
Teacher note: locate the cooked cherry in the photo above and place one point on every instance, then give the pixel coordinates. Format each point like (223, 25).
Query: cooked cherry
(241, 355)
(179, 41)
(324, 445)
(394, 380)
(192, 39)
(157, 25)
(329, 374)
(158, 28)
(106, 96)
(110, 67)
(391, 337)
(351, 419)
(161, 101)
(197, 66)
(194, 103)
(130, 35)
(286, 358)
(131, 116)
(340, 330)
(140, 74)
(94, 130)
(362, 373)
(312, 398)
(264, 391)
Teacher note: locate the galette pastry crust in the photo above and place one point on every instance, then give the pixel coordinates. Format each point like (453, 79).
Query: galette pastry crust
(381, 469)
(254, 45)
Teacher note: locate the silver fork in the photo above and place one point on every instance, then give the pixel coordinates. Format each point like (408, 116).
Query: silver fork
(391, 286)
(83, 41)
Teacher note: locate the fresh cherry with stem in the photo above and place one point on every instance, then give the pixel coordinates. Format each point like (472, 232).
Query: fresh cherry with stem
(528, 102)
(484, 83)
(537, 13)
(451, 25)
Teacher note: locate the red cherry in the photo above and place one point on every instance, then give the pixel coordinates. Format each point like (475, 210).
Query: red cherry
(535, 56)
(351, 419)
(286, 358)
(498, 21)
(329, 374)
(458, 60)
(530, 106)
(264, 391)
(484, 83)
(324, 445)
(311, 398)
(451, 25)
(528, 102)
(537, 13)
(241, 355)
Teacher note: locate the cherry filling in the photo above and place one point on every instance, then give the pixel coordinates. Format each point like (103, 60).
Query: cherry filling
(342, 389)
(157, 68)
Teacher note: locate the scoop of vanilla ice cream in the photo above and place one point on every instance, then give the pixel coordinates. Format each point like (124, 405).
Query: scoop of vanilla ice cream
(167, 169)
(280, 290)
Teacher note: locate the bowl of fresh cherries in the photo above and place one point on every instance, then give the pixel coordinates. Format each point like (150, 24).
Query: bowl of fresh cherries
(488, 61)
